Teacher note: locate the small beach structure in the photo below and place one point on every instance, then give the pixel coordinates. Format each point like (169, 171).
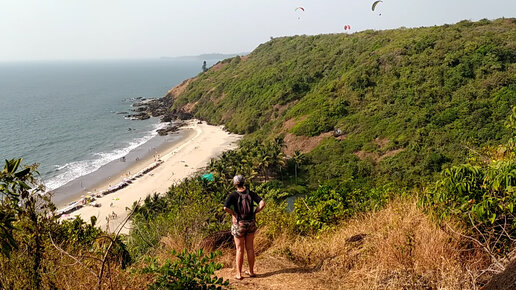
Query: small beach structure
(208, 176)
(73, 206)
(90, 198)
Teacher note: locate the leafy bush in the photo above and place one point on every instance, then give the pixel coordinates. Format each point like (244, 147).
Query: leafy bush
(189, 271)
(325, 207)
(481, 193)
(319, 210)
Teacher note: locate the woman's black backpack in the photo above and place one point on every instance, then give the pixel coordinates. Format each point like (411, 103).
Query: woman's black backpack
(245, 204)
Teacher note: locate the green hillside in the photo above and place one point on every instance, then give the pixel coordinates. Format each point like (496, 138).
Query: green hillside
(408, 101)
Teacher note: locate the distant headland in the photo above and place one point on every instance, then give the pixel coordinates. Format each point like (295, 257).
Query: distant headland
(206, 56)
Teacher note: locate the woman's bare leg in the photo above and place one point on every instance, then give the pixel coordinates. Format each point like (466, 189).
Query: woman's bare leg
(249, 246)
(240, 244)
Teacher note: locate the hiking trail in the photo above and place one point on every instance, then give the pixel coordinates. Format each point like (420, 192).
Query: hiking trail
(275, 273)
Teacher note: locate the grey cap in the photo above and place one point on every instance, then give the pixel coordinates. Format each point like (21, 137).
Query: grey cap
(239, 180)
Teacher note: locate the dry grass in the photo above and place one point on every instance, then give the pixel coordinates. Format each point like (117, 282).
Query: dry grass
(398, 247)
(179, 89)
(303, 144)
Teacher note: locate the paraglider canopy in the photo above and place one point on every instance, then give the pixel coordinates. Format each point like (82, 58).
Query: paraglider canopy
(299, 9)
(375, 3)
(347, 27)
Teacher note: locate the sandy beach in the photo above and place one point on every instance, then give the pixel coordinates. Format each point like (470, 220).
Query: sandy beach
(183, 158)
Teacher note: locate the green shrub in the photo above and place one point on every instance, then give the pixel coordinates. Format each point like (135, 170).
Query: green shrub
(318, 211)
(189, 271)
(481, 193)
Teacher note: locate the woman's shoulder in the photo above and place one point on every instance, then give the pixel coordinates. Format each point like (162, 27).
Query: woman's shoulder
(255, 195)
(233, 194)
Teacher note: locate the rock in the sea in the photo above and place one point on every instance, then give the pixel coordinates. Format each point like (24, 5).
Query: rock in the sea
(139, 109)
(159, 108)
(139, 116)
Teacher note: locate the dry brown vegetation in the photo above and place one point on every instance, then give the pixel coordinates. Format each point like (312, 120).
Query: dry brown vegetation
(190, 107)
(398, 247)
(303, 144)
(65, 272)
(179, 89)
(218, 66)
(216, 100)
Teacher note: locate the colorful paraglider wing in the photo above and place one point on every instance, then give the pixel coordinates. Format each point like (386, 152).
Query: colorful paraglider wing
(299, 8)
(374, 4)
(207, 176)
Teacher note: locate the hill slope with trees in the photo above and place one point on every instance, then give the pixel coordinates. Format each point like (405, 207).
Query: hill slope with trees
(407, 101)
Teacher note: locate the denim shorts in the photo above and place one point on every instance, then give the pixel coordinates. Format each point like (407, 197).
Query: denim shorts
(243, 228)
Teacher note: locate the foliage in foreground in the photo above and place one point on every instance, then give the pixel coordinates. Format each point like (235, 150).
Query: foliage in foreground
(36, 247)
(482, 193)
(189, 271)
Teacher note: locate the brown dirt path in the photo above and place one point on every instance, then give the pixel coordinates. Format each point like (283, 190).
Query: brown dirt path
(275, 273)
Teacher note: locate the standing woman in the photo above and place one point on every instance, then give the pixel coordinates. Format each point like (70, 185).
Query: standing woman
(240, 204)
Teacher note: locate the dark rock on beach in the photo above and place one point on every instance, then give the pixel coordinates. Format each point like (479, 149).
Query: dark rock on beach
(167, 117)
(167, 130)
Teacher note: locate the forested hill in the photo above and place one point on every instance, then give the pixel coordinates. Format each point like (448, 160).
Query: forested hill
(407, 101)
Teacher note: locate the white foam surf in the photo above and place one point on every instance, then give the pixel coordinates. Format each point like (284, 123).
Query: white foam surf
(76, 169)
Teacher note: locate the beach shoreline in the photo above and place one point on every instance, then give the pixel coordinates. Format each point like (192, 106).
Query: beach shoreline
(177, 161)
(115, 171)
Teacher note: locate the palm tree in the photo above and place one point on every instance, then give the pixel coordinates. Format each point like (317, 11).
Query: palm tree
(298, 158)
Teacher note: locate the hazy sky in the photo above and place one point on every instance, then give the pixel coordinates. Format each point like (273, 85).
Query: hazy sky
(122, 29)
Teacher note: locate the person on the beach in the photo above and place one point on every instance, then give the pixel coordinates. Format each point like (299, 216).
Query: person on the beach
(240, 204)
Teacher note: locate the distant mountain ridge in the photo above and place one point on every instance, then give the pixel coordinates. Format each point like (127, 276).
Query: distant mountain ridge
(206, 56)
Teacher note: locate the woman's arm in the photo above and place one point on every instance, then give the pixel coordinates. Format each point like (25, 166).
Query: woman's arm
(232, 213)
(261, 205)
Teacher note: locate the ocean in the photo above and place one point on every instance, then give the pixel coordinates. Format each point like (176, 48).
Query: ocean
(69, 116)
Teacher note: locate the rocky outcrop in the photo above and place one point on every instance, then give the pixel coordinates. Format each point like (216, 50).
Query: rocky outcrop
(167, 130)
(146, 108)
(140, 109)
(171, 128)
(158, 108)
(139, 116)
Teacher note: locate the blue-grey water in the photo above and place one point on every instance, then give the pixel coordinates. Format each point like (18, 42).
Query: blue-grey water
(66, 115)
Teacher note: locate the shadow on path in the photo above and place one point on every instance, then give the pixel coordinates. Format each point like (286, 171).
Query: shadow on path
(284, 271)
